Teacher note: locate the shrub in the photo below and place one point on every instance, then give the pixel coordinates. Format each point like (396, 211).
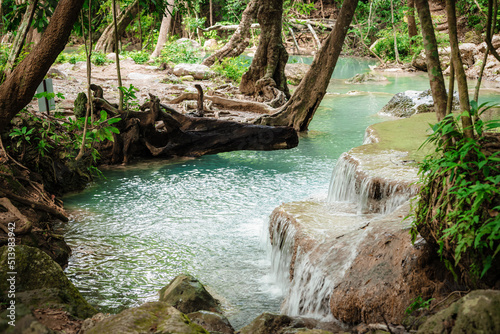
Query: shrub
(459, 205)
(178, 53)
(232, 68)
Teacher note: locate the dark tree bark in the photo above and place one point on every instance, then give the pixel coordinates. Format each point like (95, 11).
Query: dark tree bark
(106, 42)
(160, 131)
(240, 39)
(412, 26)
(266, 75)
(463, 90)
(299, 110)
(20, 86)
(434, 71)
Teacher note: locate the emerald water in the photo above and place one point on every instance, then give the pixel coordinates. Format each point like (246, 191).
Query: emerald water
(135, 230)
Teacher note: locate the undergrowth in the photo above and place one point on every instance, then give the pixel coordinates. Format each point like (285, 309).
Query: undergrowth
(459, 205)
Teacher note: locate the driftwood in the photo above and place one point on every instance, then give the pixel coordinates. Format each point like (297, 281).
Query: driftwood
(231, 104)
(161, 131)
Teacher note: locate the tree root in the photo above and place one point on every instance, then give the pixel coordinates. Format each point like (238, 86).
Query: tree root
(12, 215)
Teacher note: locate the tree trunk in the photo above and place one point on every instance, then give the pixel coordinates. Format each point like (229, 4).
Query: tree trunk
(240, 39)
(166, 24)
(432, 58)
(266, 75)
(20, 86)
(410, 16)
(20, 38)
(300, 109)
(106, 42)
(463, 91)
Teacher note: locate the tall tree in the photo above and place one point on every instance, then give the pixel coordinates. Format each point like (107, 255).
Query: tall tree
(410, 17)
(106, 43)
(434, 71)
(299, 110)
(463, 91)
(240, 39)
(166, 24)
(266, 75)
(19, 87)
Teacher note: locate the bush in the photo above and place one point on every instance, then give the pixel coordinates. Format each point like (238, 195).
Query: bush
(459, 205)
(139, 57)
(177, 53)
(232, 68)
(99, 58)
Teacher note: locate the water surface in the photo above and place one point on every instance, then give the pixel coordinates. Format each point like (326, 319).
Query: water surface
(140, 227)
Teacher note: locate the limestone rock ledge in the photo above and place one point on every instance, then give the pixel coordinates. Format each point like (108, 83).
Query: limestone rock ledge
(351, 257)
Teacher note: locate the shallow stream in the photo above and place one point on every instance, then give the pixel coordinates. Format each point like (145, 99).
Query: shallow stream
(134, 231)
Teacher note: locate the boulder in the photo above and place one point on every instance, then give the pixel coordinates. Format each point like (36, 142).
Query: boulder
(80, 105)
(410, 102)
(467, 50)
(41, 282)
(211, 44)
(478, 312)
(367, 77)
(198, 71)
(56, 73)
(268, 323)
(495, 41)
(212, 322)
(295, 72)
(153, 317)
(191, 44)
(188, 295)
(112, 56)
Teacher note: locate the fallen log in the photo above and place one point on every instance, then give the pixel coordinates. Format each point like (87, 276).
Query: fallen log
(161, 131)
(220, 27)
(240, 105)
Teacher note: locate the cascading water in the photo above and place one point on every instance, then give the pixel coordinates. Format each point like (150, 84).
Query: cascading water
(314, 247)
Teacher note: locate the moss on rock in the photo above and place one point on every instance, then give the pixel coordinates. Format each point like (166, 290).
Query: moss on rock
(478, 312)
(154, 317)
(188, 295)
(41, 282)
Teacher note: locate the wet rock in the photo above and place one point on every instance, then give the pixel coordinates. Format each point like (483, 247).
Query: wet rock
(92, 322)
(198, 71)
(478, 312)
(211, 44)
(41, 282)
(367, 77)
(188, 295)
(153, 317)
(80, 105)
(212, 322)
(412, 102)
(268, 323)
(295, 72)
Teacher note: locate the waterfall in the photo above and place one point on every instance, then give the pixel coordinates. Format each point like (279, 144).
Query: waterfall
(349, 183)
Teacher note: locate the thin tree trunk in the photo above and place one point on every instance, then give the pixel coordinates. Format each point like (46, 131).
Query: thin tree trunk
(492, 11)
(432, 58)
(166, 22)
(140, 24)
(412, 26)
(88, 54)
(463, 91)
(211, 14)
(18, 44)
(117, 51)
(240, 39)
(105, 43)
(318, 43)
(299, 110)
(395, 35)
(19, 87)
(451, 88)
(294, 40)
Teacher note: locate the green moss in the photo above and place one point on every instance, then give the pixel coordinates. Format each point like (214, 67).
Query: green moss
(405, 135)
(41, 282)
